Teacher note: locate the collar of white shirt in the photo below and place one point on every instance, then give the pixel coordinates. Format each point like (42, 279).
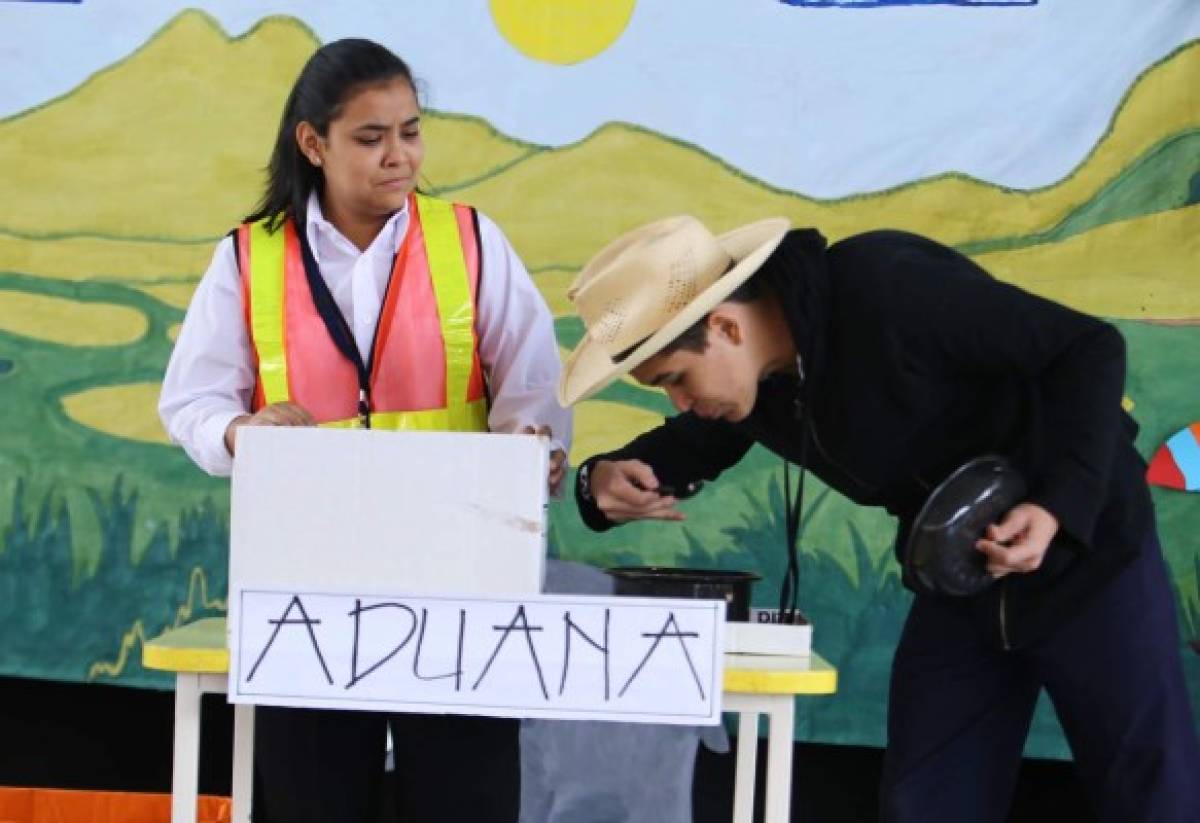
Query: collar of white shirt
(323, 236)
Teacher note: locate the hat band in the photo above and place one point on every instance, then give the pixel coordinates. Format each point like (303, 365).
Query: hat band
(622, 356)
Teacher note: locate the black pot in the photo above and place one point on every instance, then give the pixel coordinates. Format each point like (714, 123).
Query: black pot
(706, 584)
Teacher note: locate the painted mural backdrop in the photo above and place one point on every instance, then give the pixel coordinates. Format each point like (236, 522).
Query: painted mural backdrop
(1057, 143)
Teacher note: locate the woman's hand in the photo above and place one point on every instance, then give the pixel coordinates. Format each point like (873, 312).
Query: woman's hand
(1019, 541)
(558, 459)
(628, 490)
(276, 414)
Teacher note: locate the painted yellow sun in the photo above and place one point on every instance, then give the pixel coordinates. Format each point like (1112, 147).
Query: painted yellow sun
(562, 31)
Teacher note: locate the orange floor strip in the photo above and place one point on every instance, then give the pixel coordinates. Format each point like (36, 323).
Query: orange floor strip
(23, 805)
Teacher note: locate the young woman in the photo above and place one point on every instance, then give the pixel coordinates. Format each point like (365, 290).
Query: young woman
(350, 299)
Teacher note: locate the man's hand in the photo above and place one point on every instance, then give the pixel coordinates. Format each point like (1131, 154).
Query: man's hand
(1019, 541)
(627, 490)
(276, 414)
(558, 459)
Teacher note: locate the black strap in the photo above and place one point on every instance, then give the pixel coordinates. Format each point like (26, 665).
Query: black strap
(789, 589)
(339, 329)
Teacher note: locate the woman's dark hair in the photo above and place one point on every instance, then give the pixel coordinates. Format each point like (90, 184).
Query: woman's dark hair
(334, 72)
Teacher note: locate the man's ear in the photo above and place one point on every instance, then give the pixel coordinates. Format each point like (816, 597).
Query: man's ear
(726, 323)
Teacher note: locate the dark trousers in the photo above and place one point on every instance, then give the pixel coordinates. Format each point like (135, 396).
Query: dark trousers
(960, 709)
(328, 767)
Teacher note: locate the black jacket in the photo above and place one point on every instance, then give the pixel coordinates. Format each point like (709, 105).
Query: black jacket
(916, 360)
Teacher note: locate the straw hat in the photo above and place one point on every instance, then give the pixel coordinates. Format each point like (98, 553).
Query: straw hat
(649, 286)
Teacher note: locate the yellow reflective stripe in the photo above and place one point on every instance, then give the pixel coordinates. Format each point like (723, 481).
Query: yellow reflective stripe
(452, 289)
(460, 417)
(266, 310)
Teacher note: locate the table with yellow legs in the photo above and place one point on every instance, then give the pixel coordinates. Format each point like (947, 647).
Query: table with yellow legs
(754, 685)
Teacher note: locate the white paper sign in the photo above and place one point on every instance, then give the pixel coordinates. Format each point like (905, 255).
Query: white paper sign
(598, 658)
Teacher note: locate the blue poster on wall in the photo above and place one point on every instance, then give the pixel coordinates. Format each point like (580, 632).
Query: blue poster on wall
(873, 4)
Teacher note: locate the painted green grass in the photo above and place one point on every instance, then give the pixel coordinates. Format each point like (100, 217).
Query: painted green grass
(63, 626)
(61, 455)
(100, 538)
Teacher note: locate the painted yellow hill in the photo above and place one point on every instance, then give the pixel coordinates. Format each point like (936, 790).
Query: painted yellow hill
(167, 143)
(128, 411)
(171, 142)
(1147, 268)
(86, 258)
(167, 271)
(553, 284)
(459, 149)
(69, 322)
(601, 426)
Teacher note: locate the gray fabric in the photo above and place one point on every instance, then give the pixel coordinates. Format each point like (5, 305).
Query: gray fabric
(576, 771)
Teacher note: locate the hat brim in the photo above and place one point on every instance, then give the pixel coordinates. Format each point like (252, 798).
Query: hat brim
(589, 369)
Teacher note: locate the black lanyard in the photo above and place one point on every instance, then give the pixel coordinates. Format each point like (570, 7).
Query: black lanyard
(792, 509)
(788, 591)
(339, 329)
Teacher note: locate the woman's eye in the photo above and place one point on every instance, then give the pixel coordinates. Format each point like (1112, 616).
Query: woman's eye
(369, 141)
(411, 135)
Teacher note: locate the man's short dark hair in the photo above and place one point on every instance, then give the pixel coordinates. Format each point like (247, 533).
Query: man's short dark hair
(695, 337)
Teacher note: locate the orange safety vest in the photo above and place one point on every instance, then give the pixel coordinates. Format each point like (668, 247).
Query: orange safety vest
(425, 373)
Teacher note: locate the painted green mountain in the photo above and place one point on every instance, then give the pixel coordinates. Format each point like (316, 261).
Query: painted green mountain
(1166, 177)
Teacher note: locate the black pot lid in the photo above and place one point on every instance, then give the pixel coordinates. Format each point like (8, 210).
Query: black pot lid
(940, 553)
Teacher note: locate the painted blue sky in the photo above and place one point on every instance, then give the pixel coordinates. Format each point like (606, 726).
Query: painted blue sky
(826, 101)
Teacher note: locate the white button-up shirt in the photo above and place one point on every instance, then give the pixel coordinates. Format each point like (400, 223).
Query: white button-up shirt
(210, 377)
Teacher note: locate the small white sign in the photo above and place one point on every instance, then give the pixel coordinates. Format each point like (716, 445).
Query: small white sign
(647, 660)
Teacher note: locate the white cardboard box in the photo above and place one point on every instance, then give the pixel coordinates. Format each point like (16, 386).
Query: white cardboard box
(760, 636)
(419, 512)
